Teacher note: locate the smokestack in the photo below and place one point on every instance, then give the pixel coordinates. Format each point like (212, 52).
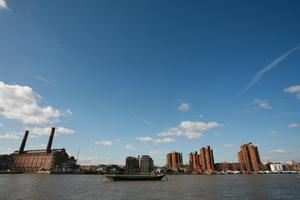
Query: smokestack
(22, 147)
(48, 150)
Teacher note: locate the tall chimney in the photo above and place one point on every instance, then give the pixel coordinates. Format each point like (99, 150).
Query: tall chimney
(22, 147)
(48, 150)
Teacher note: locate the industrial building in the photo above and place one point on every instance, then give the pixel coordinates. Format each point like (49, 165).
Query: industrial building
(47, 160)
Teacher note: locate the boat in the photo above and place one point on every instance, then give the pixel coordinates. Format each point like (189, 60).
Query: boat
(135, 177)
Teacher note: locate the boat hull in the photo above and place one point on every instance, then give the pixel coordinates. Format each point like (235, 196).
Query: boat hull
(134, 177)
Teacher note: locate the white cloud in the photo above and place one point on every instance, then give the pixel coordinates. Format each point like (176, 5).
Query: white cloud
(184, 106)
(267, 68)
(104, 142)
(190, 129)
(278, 151)
(155, 140)
(295, 89)
(263, 104)
(47, 130)
(130, 147)
(3, 5)
(1, 125)
(156, 152)
(228, 145)
(164, 140)
(144, 139)
(10, 136)
(273, 132)
(21, 103)
(293, 125)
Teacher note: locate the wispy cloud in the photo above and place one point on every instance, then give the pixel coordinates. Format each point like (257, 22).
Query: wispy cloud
(262, 103)
(46, 130)
(130, 147)
(228, 145)
(295, 89)
(41, 78)
(10, 136)
(183, 106)
(3, 5)
(278, 151)
(273, 133)
(155, 140)
(104, 142)
(269, 67)
(143, 120)
(293, 125)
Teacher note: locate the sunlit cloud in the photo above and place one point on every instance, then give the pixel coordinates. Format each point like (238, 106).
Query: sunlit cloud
(295, 89)
(22, 103)
(3, 5)
(190, 129)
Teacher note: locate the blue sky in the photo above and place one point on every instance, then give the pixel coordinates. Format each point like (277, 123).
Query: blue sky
(126, 78)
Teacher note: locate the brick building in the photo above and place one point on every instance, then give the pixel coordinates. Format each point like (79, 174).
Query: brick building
(174, 160)
(249, 159)
(52, 160)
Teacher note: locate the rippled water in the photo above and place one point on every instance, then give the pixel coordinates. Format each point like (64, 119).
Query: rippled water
(39, 187)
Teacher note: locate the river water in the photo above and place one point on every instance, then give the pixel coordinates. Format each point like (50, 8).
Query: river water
(182, 187)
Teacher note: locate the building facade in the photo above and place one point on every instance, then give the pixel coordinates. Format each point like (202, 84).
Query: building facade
(146, 164)
(132, 165)
(203, 162)
(41, 159)
(249, 158)
(174, 160)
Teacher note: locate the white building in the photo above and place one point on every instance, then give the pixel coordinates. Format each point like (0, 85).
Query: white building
(277, 167)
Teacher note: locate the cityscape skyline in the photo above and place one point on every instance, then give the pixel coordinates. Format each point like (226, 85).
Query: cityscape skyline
(148, 79)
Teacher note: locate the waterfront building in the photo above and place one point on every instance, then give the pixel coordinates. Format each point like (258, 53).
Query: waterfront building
(224, 167)
(174, 160)
(132, 165)
(249, 158)
(207, 159)
(194, 162)
(5, 162)
(42, 159)
(277, 167)
(146, 164)
(202, 162)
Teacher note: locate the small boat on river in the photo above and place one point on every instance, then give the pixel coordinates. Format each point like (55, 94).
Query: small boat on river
(135, 177)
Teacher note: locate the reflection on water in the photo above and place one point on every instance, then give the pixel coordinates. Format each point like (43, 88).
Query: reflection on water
(39, 187)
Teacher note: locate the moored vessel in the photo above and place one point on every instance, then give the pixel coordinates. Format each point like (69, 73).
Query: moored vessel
(136, 177)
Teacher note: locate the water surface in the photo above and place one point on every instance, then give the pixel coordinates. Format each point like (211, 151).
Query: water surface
(185, 187)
